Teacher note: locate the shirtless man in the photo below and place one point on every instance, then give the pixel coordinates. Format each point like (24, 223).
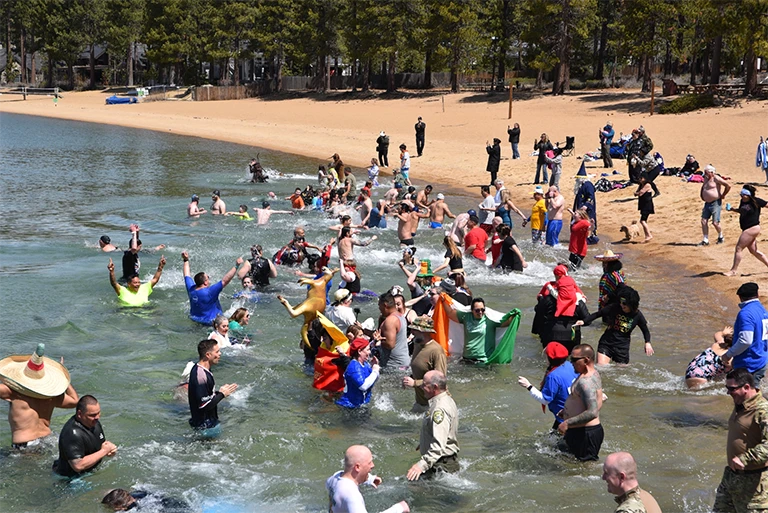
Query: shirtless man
(391, 194)
(437, 212)
(105, 244)
(347, 244)
(263, 214)
(193, 209)
(581, 428)
(366, 205)
(422, 197)
(219, 208)
(30, 418)
(407, 223)
(555, 206)
(713, 190)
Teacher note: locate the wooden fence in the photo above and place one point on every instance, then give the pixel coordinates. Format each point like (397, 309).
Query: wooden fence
(215, 93)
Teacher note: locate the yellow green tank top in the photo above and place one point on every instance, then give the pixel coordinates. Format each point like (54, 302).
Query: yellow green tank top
(128, 298)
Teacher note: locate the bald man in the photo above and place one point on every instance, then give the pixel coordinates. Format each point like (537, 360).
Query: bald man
(343, 493)
(620, 474)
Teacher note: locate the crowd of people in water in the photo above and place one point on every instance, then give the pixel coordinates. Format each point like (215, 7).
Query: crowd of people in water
(431, 317)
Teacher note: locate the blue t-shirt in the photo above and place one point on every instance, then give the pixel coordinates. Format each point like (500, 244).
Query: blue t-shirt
(354, 377)
(375, 220)
(752, 318)
(204, 304)
(557, 388)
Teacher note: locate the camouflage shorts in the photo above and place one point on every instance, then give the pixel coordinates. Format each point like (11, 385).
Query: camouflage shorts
(741, 492)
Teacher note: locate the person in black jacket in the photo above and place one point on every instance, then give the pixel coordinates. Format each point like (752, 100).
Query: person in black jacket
(542, 145)
(202, 398)
(382, 147)
(514, 139)
(420, 127)
(494, 158)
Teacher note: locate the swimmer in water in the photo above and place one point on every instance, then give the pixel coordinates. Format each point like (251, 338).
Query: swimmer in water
(193, 209)
(135, 293)
(218, 207)
(242, 213)
(265, 212)
(105, 244)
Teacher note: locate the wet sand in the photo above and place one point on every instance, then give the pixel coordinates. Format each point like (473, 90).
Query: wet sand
(458, 127)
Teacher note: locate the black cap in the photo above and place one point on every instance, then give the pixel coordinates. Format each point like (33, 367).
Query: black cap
(105, 239)
(216, 193)
(474, 219)
(748, 290)
(264, 204)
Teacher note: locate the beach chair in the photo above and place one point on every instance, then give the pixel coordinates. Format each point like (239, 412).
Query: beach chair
(570, 146)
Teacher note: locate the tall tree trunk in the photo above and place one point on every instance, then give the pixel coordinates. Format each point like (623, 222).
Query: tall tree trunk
(22, 48)
(750, 63)
(237, 70)
(279, 71)
(601, 51)
(354, 75)
(455, 70)
(503, 45)
(561, 83)
(327, 74)
(705, 69)
(33, 81)
(647, 73)
(71, 75)
(714, 73)
(428, 69)
(391, 67)
(367, 65)
(51, 70)
(693, 70)
(92, 68)
(130, 64)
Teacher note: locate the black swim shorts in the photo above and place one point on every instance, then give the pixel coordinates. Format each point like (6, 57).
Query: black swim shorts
(619, 354)
(585, 442)
(406, 242)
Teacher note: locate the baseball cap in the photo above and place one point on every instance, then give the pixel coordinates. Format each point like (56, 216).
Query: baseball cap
(398, 186)
(441, 196)
(471, 212)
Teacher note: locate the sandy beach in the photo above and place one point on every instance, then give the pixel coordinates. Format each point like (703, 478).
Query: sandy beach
(458, 127)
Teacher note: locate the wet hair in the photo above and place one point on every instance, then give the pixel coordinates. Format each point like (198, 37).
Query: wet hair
(611, 266)
(450, 245)
(84, 402)
(244, 208)
(742, 377)
(246, 277)
(199, 279)
(312, 260)
(256, 249)
(118, 499)
(345, 232)
(387, 299)
(629, 296)
(204, 347)
(105, 239)
(239, 315)
(219, 320)
(405, 207)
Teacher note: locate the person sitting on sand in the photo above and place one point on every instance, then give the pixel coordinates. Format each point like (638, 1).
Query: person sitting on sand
(708, 365)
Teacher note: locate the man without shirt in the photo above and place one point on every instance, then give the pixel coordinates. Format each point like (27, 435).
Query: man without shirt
(265, 212)
(407, 222)
(555, 206)
(581, 428)
(437, 212)
(82, 444)
(105, 244)
(343, 487)
(422, 197)
(218, 208)
(30, 417)
(193, 209)
(713, 191)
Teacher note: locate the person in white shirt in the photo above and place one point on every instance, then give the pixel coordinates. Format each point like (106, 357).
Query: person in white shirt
(343, 493)
(341, 313)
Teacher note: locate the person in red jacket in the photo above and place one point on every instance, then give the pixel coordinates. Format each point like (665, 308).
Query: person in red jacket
(475, 239)
(580, 227)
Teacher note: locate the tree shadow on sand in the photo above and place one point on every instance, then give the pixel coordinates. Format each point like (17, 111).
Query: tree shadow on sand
(630, 103)
(502, 97)
(341, 96)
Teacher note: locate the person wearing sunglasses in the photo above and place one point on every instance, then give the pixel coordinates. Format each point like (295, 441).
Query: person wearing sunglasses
(744, 486)
(581, 428)
(479, 330)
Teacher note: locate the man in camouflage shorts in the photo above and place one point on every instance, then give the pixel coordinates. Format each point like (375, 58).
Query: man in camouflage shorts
(744, 486)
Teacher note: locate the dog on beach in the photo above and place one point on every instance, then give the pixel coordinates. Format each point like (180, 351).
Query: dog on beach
(631, 232)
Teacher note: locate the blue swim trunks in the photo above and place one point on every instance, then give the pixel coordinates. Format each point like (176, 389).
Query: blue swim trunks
(435, 225)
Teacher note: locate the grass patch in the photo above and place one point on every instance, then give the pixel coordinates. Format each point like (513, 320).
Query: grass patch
(687, 103)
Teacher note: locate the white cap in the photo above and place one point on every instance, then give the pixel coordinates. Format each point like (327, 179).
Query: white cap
(709, 167)
(381, 133)
(441, 196)
(340, 295)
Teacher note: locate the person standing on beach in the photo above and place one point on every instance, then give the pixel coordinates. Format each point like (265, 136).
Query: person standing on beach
(514, 140)
(744, 486)
(203, 401)
(218, 208)
(583, 434)
(555, 205)
(749, 222)
(382, 148)
(620, 476)
(713, 191)
(193, 209)
(542, 146)
(606, 138)
(749, 349)
(494, 158)
(645, 204)
(420, 127)
(405, 164)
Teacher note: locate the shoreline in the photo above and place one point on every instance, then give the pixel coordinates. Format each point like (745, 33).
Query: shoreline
(454, 148)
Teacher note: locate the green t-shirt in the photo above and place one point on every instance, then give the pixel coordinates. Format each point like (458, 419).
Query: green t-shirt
(140, 298)
(479, 336)
(246, 217)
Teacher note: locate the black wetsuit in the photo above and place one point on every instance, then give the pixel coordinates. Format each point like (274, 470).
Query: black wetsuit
(202, 399)
(259, 271)
(75, 442)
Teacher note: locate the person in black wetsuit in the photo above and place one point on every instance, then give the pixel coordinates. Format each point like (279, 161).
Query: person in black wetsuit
(260, 269)
(623, 317)
(123, 500)
(82, 444)
(203, 400)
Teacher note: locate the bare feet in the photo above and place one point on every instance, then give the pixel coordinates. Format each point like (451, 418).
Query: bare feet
(730, 273)
(648, 239)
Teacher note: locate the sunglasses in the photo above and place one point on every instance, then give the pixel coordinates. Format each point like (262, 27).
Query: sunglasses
(479, 310)
(733, 389)
(575, 359)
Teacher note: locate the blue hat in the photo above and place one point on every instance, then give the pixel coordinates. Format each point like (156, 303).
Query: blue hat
(471, 212)
(195, 197)
(582, 171)
(398, 185)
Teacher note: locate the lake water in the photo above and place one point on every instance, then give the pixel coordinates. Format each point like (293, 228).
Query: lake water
(64, 184)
